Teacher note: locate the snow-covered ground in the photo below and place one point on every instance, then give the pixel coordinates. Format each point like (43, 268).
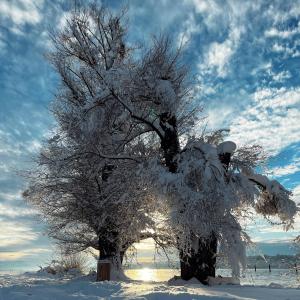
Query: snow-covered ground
(262, 277)
(36, 286)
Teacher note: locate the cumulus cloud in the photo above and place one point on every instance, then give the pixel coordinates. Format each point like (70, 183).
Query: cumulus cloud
(281, 76)
(211, 10)
(11, 195)
(11, 144)
(21, 12)
(219, 17)
(189, 28)
(296, 194)
(14, 211)
(286, 50)
(271, 120)
(261, 231)
(15, 233)
(15, 255)
(288, 169)
(279, 14)
(219, 54)
(215, 119)
(34, 146)
(278, 240)
(287, 33)
(63, 18)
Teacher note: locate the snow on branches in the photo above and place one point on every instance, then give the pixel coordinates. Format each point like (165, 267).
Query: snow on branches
(274, 199)
(205, 195)
(117, 159)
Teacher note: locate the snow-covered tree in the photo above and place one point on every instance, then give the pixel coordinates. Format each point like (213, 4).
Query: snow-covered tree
(135, 107)
(87, 202)
(115, 98)
(86, 185)
(83, 181)
(214, 187)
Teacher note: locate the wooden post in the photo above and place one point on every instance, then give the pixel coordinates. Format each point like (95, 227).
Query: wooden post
(103, 270)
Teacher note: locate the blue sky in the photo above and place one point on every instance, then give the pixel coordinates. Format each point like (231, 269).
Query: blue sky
(246, 59)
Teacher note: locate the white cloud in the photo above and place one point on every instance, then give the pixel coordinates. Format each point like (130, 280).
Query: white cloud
(274, 32)
(34, 146)
(277, 240)
(15, 233)
(279, 16)
(277, 98)
(217, 18)
(271, 120)
(14, 255)
(219, 54)
(278, 48)
(62, 22)
(190, 27)
(11, 146)
(286, 170)
(268, 69)
(13, 211)
(211, 11)
(296, 194)
(286, 50)
(262, 231)
(264, 67)
(281, 76)
(11, 196)
(289, 169)
(217, 120)
(20, 13)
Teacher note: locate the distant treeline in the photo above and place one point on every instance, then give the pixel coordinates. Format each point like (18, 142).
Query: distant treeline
(261, 262)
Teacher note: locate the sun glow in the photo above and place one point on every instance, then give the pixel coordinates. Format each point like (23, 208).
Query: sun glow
(146, 274)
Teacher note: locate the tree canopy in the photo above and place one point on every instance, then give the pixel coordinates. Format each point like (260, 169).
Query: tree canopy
(128, 161)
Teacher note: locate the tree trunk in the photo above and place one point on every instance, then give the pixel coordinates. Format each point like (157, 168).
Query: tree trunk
(169, 143)
(107, 250)
(200, 263)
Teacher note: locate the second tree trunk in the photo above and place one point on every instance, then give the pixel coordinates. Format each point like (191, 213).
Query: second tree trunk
(200, 263)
